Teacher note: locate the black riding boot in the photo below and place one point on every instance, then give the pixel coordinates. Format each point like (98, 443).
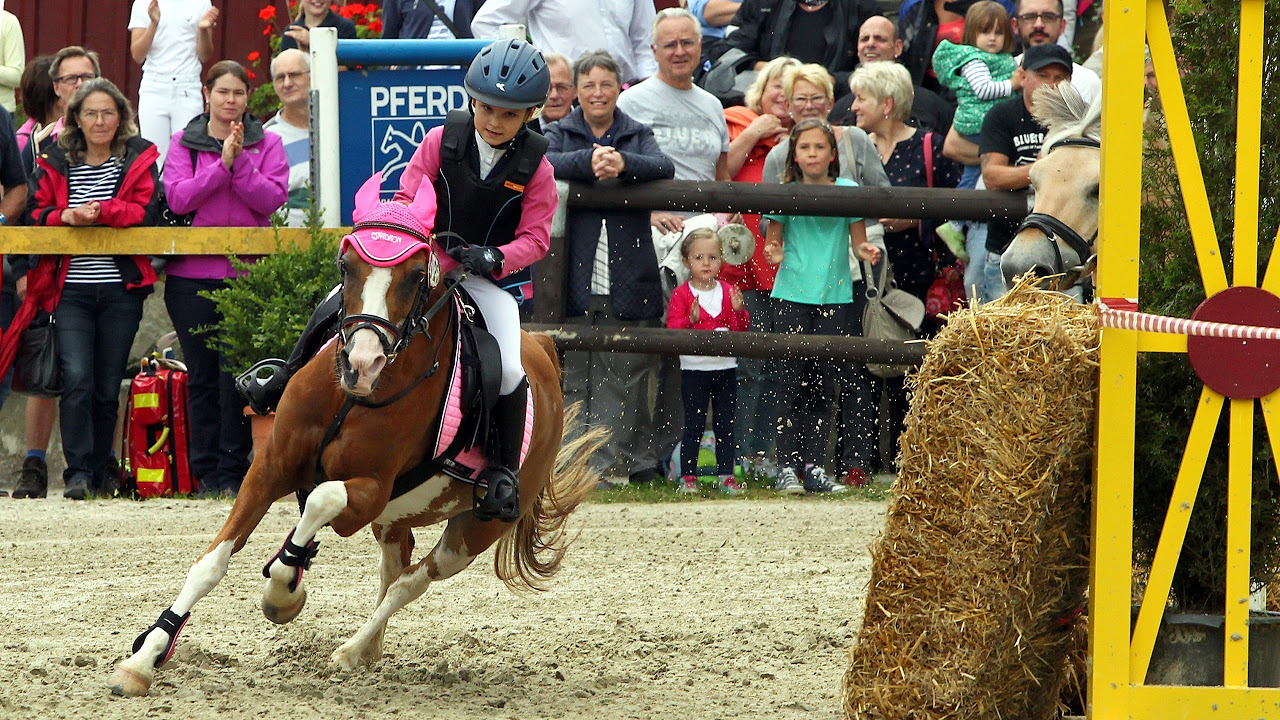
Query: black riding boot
(502, 501)
(263, 385)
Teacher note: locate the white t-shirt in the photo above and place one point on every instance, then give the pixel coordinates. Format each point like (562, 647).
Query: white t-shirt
(297, 149)
(173, 51)
(689, 125)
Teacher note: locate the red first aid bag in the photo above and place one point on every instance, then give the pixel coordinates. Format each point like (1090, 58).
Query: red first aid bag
(155, 442)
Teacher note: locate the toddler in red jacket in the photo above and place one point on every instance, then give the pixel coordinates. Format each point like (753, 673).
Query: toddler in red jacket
(707, 303)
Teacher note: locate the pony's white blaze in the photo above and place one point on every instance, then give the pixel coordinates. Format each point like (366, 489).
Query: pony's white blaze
(364, 352)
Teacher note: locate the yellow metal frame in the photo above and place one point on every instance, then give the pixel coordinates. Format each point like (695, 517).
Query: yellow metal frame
(1119, 659)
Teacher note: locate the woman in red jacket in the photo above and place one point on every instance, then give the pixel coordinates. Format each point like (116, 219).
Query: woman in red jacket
(99, 173)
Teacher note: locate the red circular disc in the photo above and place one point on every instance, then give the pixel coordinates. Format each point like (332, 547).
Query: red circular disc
(1238, 368)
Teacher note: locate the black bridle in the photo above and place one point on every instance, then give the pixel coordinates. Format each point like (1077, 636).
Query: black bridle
(1055, 230)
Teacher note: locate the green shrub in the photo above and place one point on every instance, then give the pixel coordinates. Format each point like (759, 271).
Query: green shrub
(1168, 389)
(264, 310)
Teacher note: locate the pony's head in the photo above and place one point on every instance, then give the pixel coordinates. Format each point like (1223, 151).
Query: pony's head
(1059, 235)
(388, 273)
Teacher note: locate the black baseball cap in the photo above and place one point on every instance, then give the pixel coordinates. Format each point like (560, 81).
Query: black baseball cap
(1038, 56)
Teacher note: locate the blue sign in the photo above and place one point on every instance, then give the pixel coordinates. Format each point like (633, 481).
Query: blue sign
(385, 114)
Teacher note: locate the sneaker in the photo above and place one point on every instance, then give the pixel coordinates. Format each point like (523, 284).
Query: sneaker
(77, 487)
(788, 483)
(855, 477)
(954, 240)
(729, 485)
(34, 481)
(688, 485)
(816, 481)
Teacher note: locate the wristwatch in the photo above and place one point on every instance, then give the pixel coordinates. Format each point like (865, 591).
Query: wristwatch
(491, 257)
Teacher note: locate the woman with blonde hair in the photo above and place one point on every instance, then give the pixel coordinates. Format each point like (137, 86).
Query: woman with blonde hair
(98, 173)
(754, 130)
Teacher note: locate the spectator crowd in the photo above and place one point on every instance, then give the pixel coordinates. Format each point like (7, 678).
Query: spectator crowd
(829, 92)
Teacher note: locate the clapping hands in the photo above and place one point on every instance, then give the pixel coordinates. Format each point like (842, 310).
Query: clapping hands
(233, 145)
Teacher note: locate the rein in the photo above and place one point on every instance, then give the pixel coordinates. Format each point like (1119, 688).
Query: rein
(1055, 230)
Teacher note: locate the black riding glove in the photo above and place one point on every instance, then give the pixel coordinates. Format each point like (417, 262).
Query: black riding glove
(478, 259)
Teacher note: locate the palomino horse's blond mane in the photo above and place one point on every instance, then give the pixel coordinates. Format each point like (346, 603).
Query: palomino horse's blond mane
(1061, 109)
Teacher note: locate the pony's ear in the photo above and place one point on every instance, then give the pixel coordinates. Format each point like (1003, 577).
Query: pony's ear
(367, 197)
(423, 206)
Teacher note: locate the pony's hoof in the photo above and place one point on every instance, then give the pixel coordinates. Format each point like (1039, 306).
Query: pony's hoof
(128, 683)
(284, 607)
(350, 656)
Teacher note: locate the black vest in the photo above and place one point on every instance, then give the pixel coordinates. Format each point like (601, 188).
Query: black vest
(484, 212)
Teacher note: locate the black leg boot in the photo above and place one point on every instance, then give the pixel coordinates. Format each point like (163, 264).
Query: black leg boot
(502, 500)
(263, 385)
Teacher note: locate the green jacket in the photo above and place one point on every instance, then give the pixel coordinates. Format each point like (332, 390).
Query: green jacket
(948, 59)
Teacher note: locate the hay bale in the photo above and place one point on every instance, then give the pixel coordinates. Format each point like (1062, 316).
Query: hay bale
(984, 555)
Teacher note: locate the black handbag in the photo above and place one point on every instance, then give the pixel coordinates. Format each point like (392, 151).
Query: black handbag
(37, 369)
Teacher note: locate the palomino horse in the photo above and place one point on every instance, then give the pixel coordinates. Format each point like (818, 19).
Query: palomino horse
(386, 359)
(1059, 235)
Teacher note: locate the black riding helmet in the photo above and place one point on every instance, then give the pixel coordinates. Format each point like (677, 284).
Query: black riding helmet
(509, 74)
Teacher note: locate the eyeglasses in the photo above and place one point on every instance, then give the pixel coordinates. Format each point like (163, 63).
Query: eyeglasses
(291, 77)
(93, 116)
(685, 44)
(1045, 17)
(562, 88)
(74, 79)
(604, 86)
(811, 100)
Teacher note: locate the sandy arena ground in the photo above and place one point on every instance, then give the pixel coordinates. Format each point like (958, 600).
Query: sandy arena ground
(682, 611)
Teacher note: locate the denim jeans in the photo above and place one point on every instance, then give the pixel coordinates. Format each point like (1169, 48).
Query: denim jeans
(220, 438)
(808, 388)
(719, 388)
(96, 323)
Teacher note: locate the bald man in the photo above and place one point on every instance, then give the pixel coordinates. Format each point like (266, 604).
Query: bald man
(878, 41)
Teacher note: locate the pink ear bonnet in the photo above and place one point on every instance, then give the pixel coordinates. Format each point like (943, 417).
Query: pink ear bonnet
(386, 233)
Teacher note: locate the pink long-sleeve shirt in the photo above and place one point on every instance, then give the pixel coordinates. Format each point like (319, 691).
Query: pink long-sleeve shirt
(537, 206)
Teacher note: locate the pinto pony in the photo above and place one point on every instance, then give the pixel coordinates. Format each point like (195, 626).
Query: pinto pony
(386, 371)
(1058, 239)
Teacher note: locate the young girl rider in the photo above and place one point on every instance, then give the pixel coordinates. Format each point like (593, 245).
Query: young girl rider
(497, 192)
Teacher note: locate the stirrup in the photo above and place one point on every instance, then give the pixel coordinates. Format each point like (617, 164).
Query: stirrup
(502, 500)
(262, 385)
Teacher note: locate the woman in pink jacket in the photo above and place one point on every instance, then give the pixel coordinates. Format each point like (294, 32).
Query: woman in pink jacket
(231, 173)
(707, 303)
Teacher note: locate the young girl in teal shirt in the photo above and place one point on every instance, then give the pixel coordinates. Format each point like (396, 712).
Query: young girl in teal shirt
(816, 293)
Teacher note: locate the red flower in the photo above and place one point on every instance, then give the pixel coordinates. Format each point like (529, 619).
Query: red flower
(266, 30)
(356, 9)
(376, 26)
(253, 56)
(252, 74)
(267, 13)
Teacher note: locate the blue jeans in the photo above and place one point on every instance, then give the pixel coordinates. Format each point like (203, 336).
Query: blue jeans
(220, 438)
(699, 387)
(96, 323)
(993, 279)
(755, 425)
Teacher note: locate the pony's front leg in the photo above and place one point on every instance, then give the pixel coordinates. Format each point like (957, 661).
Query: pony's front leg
(462, 541)
(397, 553)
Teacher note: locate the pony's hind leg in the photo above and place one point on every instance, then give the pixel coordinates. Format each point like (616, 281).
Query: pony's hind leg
(284, 596)
(462, 541)
(397, 552)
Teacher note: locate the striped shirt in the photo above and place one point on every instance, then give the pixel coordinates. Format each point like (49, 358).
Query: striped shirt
(86, 183)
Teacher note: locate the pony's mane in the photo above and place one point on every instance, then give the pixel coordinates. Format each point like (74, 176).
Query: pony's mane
(1061, 109)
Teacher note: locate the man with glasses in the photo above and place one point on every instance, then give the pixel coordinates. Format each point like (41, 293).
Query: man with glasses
(291, 78)
(1037, 22)
(824, 32)
(563, 93)
(70, 67)
(575, 27)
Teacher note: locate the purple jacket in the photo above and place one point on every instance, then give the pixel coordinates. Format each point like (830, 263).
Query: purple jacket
(245, 196)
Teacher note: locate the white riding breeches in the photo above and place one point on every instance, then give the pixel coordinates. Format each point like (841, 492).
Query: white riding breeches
(502, 318)
(165, 106)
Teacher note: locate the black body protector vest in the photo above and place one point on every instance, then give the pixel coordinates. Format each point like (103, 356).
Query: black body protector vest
(485, 212)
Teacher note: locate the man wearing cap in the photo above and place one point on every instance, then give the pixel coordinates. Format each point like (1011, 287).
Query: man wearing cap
(1009, 145)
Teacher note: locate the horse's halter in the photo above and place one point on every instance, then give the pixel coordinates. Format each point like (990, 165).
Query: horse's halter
(1055, 230)
(395, 339)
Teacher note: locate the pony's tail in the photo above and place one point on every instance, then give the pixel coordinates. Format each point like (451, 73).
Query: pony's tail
(532, 552)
